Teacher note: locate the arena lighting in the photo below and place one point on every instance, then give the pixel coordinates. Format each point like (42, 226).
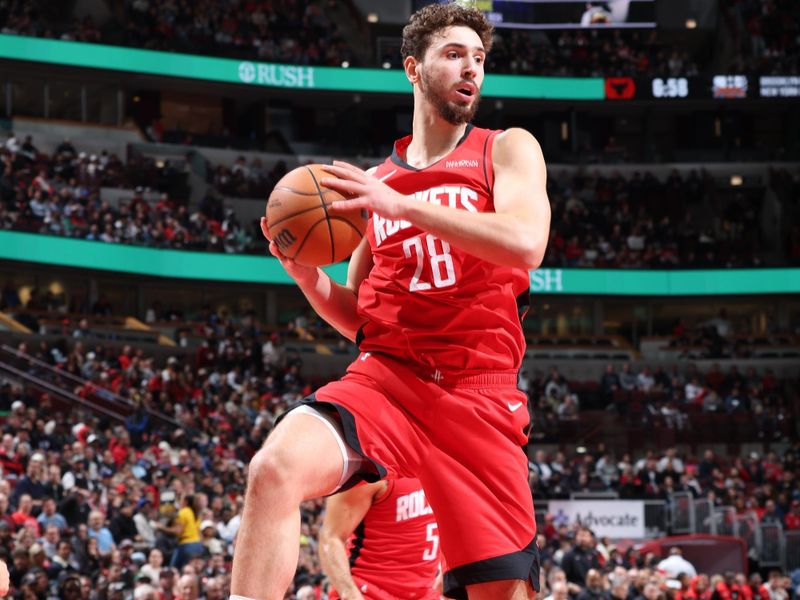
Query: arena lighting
(564, 131)
(736, 180)
(345, 64)
(387, 65)
(691, 24)
(372, 17)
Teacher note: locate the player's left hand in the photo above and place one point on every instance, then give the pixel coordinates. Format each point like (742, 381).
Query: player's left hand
(362, 191)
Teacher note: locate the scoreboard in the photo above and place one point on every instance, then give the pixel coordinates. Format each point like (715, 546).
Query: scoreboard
(566, 14)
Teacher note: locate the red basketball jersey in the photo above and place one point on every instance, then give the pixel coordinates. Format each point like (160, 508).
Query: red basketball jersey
(396, 546)
(427, 301)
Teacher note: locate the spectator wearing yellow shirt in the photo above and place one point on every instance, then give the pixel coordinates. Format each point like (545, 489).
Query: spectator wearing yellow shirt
(186, 528)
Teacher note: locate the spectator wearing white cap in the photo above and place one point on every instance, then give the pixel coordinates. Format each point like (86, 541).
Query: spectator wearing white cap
(211, 541)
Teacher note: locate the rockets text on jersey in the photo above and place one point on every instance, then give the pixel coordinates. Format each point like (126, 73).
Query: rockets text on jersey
(427, 301)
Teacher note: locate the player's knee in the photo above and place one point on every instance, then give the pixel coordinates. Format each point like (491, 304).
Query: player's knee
(270, 472)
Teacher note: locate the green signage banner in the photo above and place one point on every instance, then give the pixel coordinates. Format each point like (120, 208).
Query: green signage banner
(170, 64)
(179, 264)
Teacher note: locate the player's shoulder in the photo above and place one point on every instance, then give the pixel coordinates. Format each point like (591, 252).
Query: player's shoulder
(513, 137)
(514, 144)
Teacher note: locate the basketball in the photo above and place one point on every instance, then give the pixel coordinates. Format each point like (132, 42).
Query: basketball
(300, 224)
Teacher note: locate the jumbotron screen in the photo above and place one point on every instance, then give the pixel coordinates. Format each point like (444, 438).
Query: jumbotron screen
(566, 14)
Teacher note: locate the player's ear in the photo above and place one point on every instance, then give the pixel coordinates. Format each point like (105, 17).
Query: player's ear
(412, 67)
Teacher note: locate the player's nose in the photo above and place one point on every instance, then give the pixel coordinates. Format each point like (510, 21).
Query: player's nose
(470, 68)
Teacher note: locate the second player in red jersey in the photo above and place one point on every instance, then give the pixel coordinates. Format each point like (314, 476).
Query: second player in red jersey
(380, 542)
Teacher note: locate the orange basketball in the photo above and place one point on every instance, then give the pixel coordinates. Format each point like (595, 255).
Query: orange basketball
(300, 224)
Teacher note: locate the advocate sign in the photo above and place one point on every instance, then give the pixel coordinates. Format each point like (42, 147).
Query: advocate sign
(612, 518)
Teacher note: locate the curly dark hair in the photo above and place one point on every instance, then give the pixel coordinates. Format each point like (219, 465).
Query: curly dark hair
(431, 19)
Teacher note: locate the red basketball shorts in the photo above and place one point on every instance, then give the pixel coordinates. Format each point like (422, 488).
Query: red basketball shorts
(370, 591)
(463, 435)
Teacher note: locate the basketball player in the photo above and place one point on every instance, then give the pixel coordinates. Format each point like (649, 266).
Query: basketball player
(434, 298)
(4, 578)
(379, 541)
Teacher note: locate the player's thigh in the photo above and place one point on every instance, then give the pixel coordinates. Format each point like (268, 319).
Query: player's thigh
(508, 589)
(374, 423)
(476, 480)
(301, 454)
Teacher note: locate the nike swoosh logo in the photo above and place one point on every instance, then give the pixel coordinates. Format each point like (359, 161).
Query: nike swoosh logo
(385, 177)
(515, 406)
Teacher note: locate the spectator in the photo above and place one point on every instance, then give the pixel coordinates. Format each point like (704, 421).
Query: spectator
(792, 519)
(578, 561)
(49, 516)
(609, 384)
(670, 462)
(675, 564)
(188, 587)
(593, 589)
(627, 379)
(101, 534)
(187, 530)
(31, 484)
(153, 567)
(212, 543)
(645, 381)
(123, 525)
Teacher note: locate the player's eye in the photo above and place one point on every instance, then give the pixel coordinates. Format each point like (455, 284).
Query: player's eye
(479, 59)
(452, 54)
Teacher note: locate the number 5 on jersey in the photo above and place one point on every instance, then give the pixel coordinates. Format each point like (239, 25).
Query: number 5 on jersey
(432, 551)
(444, 273)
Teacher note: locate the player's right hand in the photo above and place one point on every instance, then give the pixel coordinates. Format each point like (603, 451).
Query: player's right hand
(4, 581)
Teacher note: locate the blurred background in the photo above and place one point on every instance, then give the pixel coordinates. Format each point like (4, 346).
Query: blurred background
(147, 343)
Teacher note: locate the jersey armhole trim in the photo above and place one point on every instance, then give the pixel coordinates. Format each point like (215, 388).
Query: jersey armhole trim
(488, 167)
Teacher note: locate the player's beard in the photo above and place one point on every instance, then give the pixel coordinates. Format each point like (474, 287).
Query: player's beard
(453, 113)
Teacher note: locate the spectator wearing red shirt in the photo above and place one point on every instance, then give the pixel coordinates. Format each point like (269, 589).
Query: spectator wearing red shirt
(24, 512)
(727, 589)
(699, 589)
(792, 518)
(744, 586)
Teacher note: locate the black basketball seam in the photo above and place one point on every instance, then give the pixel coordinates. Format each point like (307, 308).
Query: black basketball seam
(308, 233)
(348, 222)
(288, 189)
(294, 214)
(325, 208)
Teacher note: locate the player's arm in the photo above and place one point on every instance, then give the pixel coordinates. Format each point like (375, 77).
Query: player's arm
(514, 235)
(333, 302)
(4, 578)
(343, 513)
